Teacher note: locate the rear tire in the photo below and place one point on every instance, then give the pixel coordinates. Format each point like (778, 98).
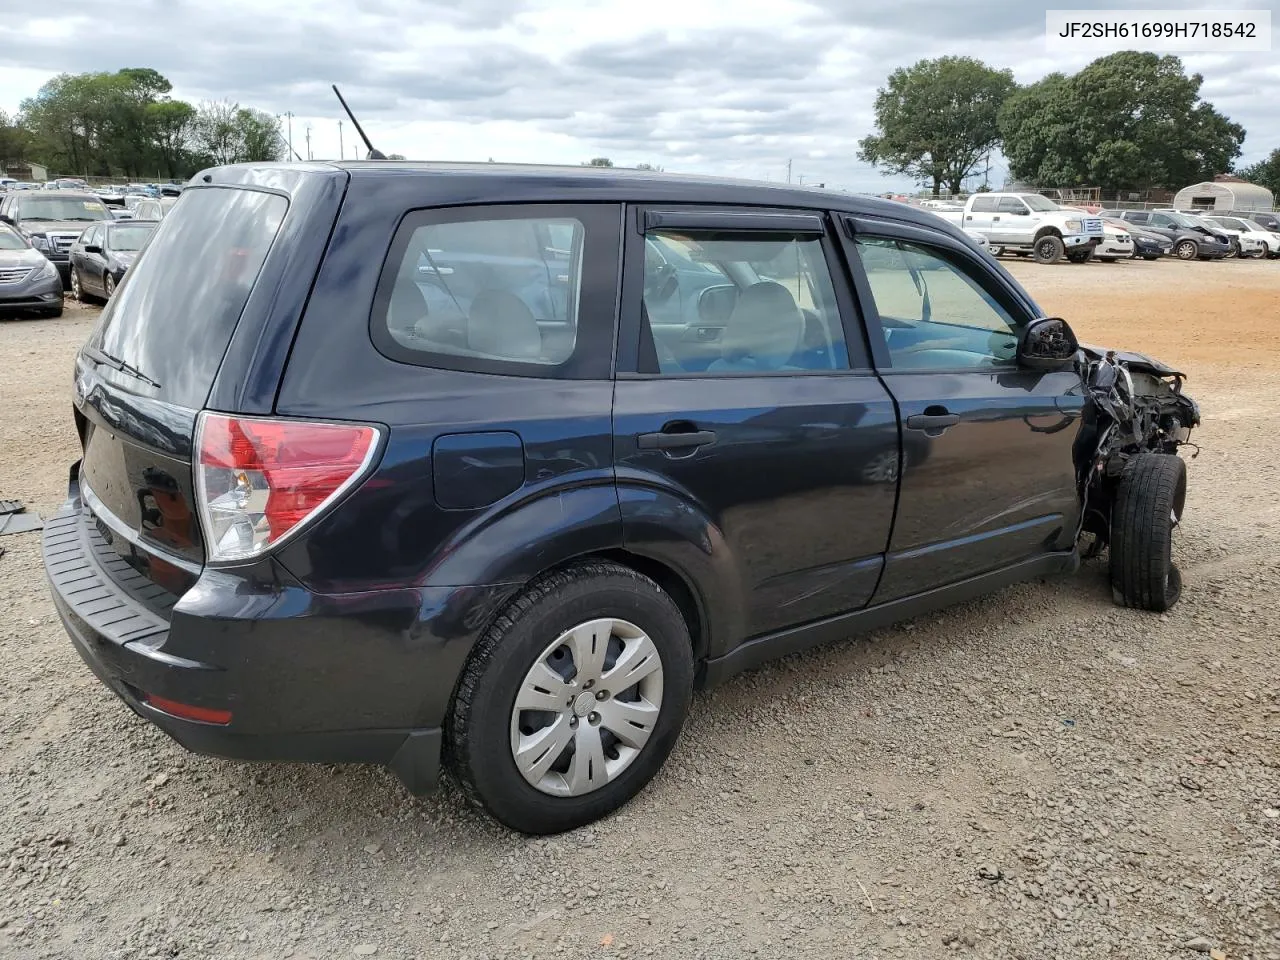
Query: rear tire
(1049, 249)
(1148, 505)
(486, 728)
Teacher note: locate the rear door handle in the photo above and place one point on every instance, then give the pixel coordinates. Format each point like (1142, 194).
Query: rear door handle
(933, 421)
(675, 440)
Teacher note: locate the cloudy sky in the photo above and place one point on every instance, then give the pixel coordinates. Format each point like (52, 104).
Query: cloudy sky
(706, 86)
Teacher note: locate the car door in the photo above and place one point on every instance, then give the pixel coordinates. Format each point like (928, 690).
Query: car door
(763, 430)
(82, 261)
(1012, 222)
(988, 478)
(981, 214)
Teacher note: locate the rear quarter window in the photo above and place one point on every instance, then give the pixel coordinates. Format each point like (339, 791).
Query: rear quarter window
(525, 290)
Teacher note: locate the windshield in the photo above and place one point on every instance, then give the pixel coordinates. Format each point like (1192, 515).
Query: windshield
(129, 238)
(10, 240)
(1038, 203)
(173, 322)
(62, 208)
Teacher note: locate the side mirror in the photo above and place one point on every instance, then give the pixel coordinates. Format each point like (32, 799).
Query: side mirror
(1047, 344)
(92, 248)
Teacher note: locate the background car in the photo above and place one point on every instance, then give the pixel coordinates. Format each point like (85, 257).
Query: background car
(1270, 239)
(53, 221)
(1242, 243)
(1116, 244)
(29, 283)
(1189, 240)
(1147, 244)
(102, 255)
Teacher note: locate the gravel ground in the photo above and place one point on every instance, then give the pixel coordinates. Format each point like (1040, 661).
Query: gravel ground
(1039, 774)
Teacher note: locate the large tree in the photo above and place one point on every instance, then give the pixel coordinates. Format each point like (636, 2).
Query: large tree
(937, 120)
(1127, 121)
(226, 132)
(14, 140)
(1265, 173)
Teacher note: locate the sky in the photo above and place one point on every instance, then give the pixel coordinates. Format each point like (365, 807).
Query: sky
(699, 86)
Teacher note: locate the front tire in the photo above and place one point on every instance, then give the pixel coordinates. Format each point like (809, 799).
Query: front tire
(1147, 508)
(77, 289)
(1048, 249)
(572, 700)
(108, 285)
(1187, 250)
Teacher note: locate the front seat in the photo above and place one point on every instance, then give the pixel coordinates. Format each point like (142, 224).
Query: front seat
(763, 332)
(500, 324)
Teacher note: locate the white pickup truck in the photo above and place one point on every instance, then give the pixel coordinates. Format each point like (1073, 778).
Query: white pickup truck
(1027, 223)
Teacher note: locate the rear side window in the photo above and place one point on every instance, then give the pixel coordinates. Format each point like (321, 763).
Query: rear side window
(523, 290)
(173, 315)
(984, 205)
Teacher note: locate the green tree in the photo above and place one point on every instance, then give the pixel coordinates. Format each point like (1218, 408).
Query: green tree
(599, 162)
(259, 136)
(1127, 121)
(1265, 173)
(14, 140)
(937, 119)
(172, 124)
(225, 132)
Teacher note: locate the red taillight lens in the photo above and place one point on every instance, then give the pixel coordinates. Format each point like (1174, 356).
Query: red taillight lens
(186, 711)
(259, 479)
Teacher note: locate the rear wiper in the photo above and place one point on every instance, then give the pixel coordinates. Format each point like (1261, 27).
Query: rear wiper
(115, 363)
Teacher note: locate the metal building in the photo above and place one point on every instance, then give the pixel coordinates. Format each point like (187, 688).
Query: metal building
(1224, 192)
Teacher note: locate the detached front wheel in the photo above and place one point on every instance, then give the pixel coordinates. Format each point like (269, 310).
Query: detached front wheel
(573, 699)
(1148, 506)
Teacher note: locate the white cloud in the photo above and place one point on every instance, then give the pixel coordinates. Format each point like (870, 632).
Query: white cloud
(694, 85)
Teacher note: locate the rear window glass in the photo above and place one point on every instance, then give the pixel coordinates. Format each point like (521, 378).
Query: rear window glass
(490, 290)
(173, 315)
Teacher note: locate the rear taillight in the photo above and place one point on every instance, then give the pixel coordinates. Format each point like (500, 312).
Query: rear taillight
(260, 480)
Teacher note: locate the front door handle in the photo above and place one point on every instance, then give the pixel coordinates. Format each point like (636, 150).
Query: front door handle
(675, 439)
(933, 421)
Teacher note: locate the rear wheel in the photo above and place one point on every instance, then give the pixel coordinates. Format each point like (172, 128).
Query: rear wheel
(573, 699)
(1187, 250)
(1147, 508)
(1048, 249)
(1234, 250)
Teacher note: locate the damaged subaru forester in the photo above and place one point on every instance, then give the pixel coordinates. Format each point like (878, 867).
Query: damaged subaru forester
(486, 468)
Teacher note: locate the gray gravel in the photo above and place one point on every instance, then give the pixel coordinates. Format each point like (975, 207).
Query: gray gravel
(1039, 774)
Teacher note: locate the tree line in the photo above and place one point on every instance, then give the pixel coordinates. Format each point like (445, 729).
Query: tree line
(1127, 121)
(125, 124)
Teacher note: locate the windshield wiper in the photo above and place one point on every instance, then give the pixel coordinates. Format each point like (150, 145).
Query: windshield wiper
(115, 363)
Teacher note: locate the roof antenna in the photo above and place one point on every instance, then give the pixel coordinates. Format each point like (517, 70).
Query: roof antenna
(373, 154)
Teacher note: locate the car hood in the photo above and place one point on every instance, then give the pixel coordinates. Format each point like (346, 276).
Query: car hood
(18, 258)
(1135, 361)
(56, 226)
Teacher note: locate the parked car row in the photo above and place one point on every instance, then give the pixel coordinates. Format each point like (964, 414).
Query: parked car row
(1030, 225)
(86, 248)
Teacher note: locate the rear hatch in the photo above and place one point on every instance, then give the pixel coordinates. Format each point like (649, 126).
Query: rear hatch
(147, 371)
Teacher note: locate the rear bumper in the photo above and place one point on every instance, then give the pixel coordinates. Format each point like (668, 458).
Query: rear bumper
(361, 678)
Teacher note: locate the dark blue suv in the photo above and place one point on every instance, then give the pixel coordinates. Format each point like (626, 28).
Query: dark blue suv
(409, 463)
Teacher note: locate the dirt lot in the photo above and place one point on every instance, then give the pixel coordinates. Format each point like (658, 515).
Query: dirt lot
(1036, 775)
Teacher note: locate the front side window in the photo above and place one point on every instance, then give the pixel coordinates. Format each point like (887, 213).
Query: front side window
(720, 302)
(933, 313)
(1012, 205)
(1039, 204)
